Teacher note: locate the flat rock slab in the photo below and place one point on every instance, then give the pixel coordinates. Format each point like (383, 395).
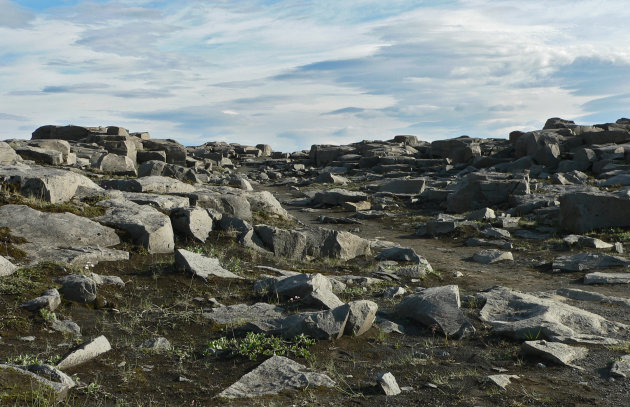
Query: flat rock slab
(491, 256)
(587, 261)
(621, 367)
(85, 353)
(273, 376)
(338, 196)
(60, 236)
(437, 306)
(240, 314)
(50, 299)
(329, 324)
(531, 317)
(607, 278)
(147, 226)
(582, 295)
(554, 352)
(153, 184)
(200, 265)
(404, 186)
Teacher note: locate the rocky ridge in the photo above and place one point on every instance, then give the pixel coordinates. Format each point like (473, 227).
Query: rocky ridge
(401, 268)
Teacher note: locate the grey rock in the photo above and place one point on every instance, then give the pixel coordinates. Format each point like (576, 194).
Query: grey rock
(79, 288)
(501, 380)
(151, 184)
(491, 256)
(85, 353)
(361, 317)
(164, 202)
(582, 212)
(387, 383)
(587, 261)
(175, 152)
(49, 299)
(528, 317)
(316, 242)
(496, 233)
(41, 155)
(114, 164)
(6, 267)
(437, 306)
(481, 214)
(399, 254)
(66, 327)
(329, 324)
(501, 244)
(607, 278)
(621, 367)
(70, 132)
(49, 184)
(338, 196)
(192, 222)
(404, 186)
(582, 295)
(273, 376)
(585, 241)
(392, 292)
(200, 265)
(330, 178)
(160, 168)
(46, 379)
(146, 226)
(558, 353)
(481, 190)
(8, 155)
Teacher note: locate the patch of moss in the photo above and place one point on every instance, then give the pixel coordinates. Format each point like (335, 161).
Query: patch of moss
(7, 245)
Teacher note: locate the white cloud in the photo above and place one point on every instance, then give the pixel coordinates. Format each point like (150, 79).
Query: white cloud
(249, 71)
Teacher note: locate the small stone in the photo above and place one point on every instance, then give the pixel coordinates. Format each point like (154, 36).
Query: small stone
(388, 384)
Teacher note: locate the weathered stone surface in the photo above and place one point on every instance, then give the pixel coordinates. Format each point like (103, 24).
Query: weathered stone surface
(156, 344)
(154, 184)
(501, 380)
(50, 299)
(316, 242)
(388, 384)
(621, 367)
(147, 226)
(587, 261)
(582, 295)
(85, 353)
(481, 190)
(50, 382)
(528, 317)
(200, 265)
(60, 236)
(48, 184)
(582, 212)
(481, 214)
(558, 353)
(273, 376)
(6, 267)
(79, 288)
(399, 254)
(325, 325)
(437, 306)
(330, 178)
(225, 201)
(239, 314)
(607, 278)
(491, 256)
(361, 317)
(163, 169)
(192, 222)
(70, 133)
(114, 164)
(66, 327)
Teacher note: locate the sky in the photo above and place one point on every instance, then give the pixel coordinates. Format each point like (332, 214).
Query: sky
(295, 73)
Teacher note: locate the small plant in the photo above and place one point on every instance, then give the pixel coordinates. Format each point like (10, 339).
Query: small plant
(48, 315)
(532, 335)
(254, 345)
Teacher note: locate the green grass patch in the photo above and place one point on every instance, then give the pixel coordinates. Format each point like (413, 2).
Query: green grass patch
(254, 345)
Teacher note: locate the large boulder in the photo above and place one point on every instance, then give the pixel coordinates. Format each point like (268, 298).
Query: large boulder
(23, 382)
(115, 164)
(175, 152)
(192, 222)
(459, 150)
(533, 317)
(582, 212)
(84, 353)
(479, 190)
(200, 265)
(437, 306)
(315, 242)
(7, 154)
(6, 267)
(338, 196)
(70, 133)
(48, 184)
(160, 168)
(40, 155)
(147, 226)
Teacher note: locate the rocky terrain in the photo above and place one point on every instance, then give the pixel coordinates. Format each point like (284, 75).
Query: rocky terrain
(474, 272)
